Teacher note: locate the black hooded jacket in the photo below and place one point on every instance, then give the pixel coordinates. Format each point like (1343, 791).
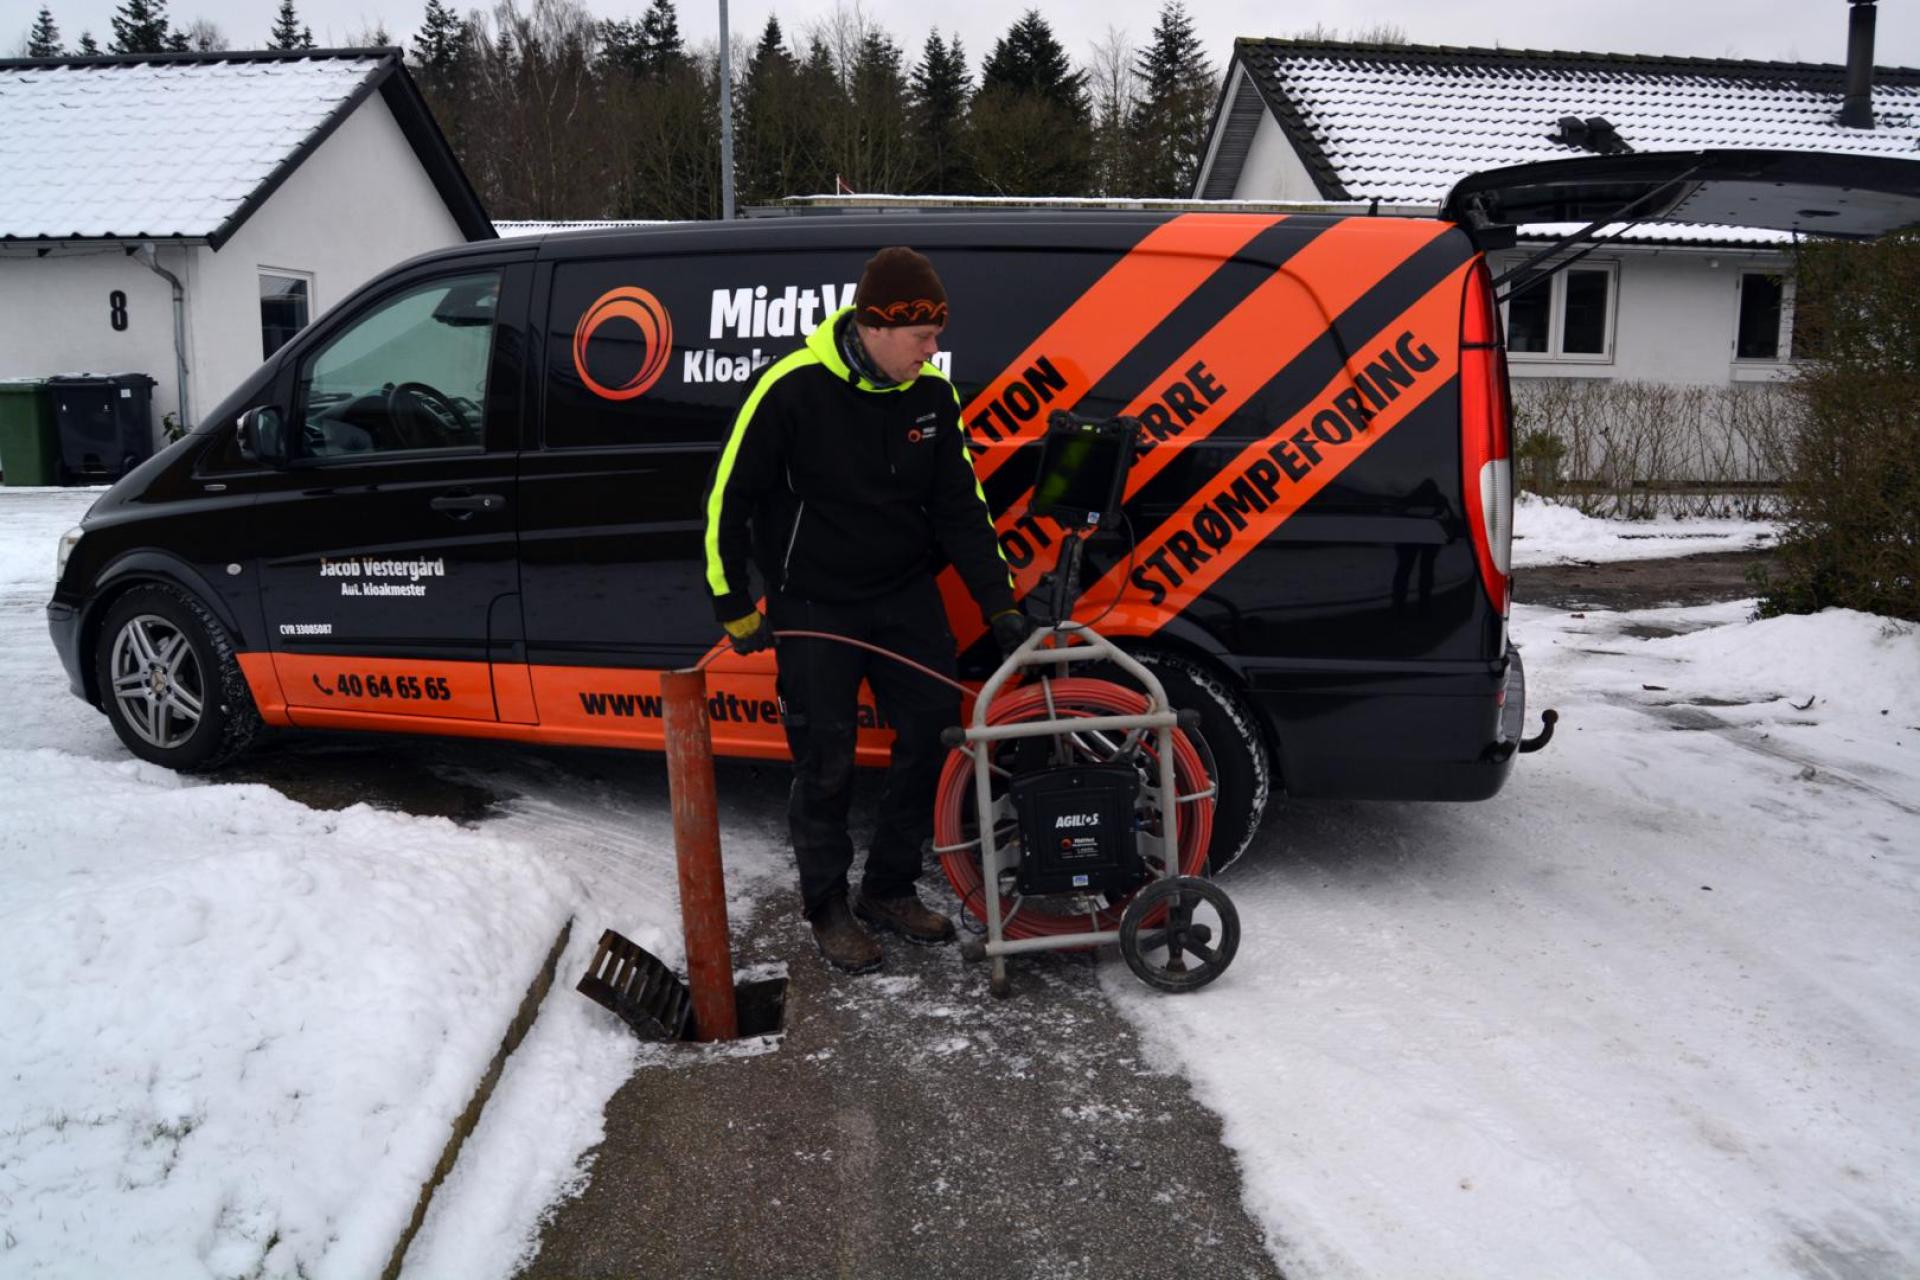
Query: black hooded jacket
(842, 490)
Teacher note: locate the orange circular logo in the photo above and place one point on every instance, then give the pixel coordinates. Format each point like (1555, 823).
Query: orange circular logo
(913, 436)
(628, 302)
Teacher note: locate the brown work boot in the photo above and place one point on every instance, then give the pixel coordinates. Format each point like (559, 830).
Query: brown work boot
(908, 917)
(844, 944)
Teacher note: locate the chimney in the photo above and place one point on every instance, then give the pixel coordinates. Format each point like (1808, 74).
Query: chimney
(1857, 111)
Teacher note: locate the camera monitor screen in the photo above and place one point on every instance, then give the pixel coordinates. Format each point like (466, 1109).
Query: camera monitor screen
(1083, 465)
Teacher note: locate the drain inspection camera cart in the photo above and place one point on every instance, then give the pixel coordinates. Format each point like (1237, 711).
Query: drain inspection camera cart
(1073, 811)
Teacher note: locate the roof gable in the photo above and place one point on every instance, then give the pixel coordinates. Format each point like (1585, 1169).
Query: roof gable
(188, 146)
(1405, 122)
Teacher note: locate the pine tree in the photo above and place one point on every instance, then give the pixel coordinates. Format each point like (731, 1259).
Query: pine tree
(874, 136)
(440, 46)
(1169, 127)
(44, 40)
(940, 90)
(1028, 59)
(178, 41)
(821, 127)
(1030, 128)
(140, 26)
(668, 136)
(662, 51)
(772, 148)
(646, 49)
(89, 47)
(287, 32)
(620, 47)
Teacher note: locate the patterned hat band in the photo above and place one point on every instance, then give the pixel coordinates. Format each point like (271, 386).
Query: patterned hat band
(905, 312)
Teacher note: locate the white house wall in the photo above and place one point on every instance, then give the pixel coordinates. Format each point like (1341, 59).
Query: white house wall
(1676, 319)
(55, 315)
(358, 205)
(1273, 169)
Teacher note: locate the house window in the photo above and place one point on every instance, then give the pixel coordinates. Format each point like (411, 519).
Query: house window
(1760, 334)
(285, 307)
(1530, 320)
(1568, 316)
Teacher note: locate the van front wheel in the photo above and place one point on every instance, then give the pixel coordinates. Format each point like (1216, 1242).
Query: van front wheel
(1242, 774)
(170, 683)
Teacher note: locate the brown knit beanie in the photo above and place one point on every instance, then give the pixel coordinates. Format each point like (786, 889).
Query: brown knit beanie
(899, 287)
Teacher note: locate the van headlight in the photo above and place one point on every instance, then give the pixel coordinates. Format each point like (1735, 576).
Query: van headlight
(68, 541)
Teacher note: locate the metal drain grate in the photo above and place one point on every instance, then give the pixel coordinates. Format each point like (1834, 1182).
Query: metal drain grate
(636, 985)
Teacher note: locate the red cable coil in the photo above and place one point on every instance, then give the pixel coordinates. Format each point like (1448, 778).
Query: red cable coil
(1076, 697)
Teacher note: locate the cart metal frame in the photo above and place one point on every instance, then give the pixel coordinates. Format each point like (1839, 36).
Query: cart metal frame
(1073, 642)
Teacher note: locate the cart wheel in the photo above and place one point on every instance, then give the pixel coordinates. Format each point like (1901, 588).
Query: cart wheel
(1179, 934)
(973, 950)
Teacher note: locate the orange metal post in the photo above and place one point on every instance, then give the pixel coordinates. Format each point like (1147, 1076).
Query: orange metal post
(696, 843)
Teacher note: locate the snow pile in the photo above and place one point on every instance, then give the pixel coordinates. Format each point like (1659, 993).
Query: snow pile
(1652, 1013)
(1853, 663)
(1545, 532)
(40, 710)
(234, 1030)
(237, 1029)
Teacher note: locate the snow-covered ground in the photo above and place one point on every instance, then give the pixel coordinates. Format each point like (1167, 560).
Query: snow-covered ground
(1653, 1012)
(234, 1030)
(1546, 532)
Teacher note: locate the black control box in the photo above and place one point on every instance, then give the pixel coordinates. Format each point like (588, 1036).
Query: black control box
(1077, 824)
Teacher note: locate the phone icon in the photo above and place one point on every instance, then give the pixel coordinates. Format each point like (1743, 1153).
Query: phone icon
(321, 687)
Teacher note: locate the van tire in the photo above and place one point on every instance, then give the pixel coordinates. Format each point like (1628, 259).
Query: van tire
(1233, 746)
(190, 663)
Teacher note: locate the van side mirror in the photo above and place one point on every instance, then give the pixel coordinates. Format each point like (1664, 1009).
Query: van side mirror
(261, 435)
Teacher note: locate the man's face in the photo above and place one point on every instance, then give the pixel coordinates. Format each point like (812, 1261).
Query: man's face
(900, 352)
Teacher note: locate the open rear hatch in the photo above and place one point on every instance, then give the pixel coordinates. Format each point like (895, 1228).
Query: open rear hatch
(1817, 192)
(1813, 192)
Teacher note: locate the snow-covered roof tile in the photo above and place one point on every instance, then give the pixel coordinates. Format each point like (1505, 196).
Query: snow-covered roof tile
(122, 149)
(1405, 122)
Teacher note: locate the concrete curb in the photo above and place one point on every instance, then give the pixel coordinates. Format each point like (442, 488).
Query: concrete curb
(464, 1124)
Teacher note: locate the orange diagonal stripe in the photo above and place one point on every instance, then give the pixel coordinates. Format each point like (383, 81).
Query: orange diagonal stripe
(1120, 309)
(1246, 350)
(1433, 321)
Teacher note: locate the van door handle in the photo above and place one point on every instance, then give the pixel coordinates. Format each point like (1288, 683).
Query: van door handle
(465, 504)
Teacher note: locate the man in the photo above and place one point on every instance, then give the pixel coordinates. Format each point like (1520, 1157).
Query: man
(845, 479)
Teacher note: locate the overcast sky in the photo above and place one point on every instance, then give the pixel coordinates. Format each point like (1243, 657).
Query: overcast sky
(1799, 30)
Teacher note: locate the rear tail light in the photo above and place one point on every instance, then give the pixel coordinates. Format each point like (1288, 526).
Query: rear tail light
(1486, 434)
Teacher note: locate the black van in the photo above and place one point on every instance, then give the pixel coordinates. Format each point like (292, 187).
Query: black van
(467, 500)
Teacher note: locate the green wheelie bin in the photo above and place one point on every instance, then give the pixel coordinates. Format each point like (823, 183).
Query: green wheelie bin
(29, 440)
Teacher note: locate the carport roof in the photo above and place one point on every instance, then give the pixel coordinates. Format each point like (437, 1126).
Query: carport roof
(187, 146)
(1405, 122)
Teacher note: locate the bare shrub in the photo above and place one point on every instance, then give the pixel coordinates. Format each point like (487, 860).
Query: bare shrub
(1639, 449)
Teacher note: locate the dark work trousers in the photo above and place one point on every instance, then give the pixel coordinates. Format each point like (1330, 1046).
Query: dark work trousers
(820, 686)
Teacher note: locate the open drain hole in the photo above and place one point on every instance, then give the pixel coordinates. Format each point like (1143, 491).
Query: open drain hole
(654, 1001)
(762, 1005)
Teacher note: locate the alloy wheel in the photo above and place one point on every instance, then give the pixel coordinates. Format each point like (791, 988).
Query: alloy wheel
(157, 681)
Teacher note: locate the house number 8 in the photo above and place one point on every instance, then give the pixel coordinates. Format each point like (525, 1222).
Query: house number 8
(117, 310)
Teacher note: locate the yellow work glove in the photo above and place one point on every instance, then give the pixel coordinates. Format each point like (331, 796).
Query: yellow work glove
(750, 634)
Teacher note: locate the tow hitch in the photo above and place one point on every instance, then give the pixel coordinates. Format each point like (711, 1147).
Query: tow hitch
(1548, 719)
